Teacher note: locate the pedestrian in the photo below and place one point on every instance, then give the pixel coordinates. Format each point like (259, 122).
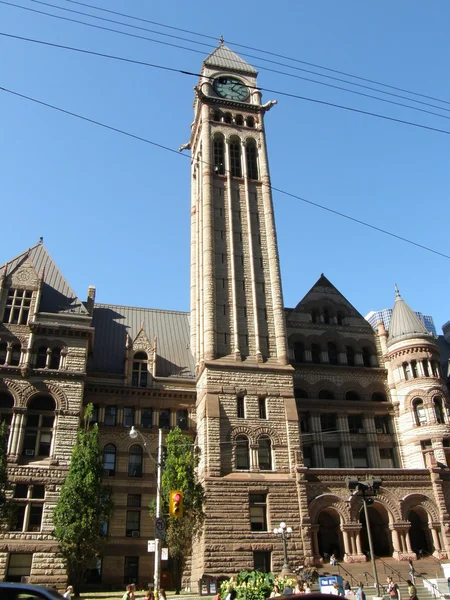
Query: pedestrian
(411, 570)
(347, 586)
(275, 592)
(307, 587)
(69, 592)
(129, 592)
(333, 560)
(360, 593)
(287, 591)
(162, 594)
(149, 595)
(392, 589)
(412, 590)
(448, 584)
(299, 588)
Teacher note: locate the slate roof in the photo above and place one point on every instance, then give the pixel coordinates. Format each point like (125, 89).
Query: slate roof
(405, 324)
(224, 58)
(112, 324)
(57, 295)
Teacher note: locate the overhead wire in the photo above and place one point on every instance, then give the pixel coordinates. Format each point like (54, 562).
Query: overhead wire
(271, 187)
(262, 67)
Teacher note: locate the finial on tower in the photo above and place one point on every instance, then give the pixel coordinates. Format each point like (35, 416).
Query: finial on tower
(221, 40)
(397, 293)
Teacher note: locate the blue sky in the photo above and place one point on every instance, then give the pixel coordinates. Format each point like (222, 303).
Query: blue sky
(114, 212)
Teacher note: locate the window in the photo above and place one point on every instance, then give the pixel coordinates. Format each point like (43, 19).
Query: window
(17, 306)
(219, 161)
(326, 395)
(37, 491)
(6, 406)
(366, 356)
(340, 318)
(41, 357)
(110, 415)
(26, 514)
(133, 523)
(182, 419)
(3, 352)
(131, 569)
(332, 456)
(299, 393)
(217, 116)
(382, 424)
(355, 423)
(304, 422)
(228, 118)
(147, 418)
(315, 316)
(426, 445)
(414, 369)
(406, 370)
(39, 427)
(242, 453)
(379, 397)
(239, 120)
(262, 407)
(240, 407)
(265, 453)
(315, 353)
(55, 358)
(352, 395)
(140, 370)
(425, 368)
(109, 459)
(307, 456)
(94, 417)
(419, 412)
(16, 352)
(328, 422)
(299, 352)
(438, 411)
(134, 500)
(35, 519)
(250, 122)
(164, 418)
(128, 416)
(252, 160)
(235, 159)
(360, 457)
(332, 354)
(135, 462)
(387, 458)
(258, 512)
(262, 561)
(350, 356)
(19, 565)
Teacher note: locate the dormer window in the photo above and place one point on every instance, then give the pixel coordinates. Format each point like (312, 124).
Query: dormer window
(17, 307)
(140, 370)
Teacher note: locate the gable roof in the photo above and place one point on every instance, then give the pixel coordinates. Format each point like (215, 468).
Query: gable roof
(405, 324)
(172, 329)
(57, 296)
(224, 58)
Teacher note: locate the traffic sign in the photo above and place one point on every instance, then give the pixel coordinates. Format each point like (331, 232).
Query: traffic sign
(150, 545)
(160, 529)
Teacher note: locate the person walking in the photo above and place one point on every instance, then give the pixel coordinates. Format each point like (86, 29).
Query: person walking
(412, 570)
(360, 593)
(392, 589)
(129, 592)
(412, 590)
(68, 593)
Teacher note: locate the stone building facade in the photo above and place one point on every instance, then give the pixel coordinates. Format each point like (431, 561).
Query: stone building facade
(284, 403)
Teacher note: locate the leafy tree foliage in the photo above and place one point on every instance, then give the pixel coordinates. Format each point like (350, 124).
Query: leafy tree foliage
(180, 474)
(84, 505)
(6, 505)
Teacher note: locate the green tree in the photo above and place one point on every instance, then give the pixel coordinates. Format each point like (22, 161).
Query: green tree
(179, 473)
(6, 505)
(84, 505)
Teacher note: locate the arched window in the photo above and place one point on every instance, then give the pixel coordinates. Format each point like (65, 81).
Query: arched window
(315, 354)
(340, 318)
(39, 426)
(15, 355)
(299, 393)
(252, 159)
(242, 453)
(352, 395)
(406, 370)
(6, 406)
(420, 415)
(217, 116)
(3, 352)
(265, 453)
(235, 159)
(379, 397)
(315, 315)
(140, 370)
(135, 462)
(332, 354)
(239, 120)
(55, 358)
(350, 356)
(109, 459)
(414, 371)
(425, 368)
(299, 352)
(219, 160)
(326, 316)
(250, 122)
(41, 357)
(366, 356)
(438, 410)
(326, 395)
(228, 118)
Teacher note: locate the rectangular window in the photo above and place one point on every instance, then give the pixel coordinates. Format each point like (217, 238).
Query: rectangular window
(110, 415)
(355, 423)
(133, 524)
(128, 417)
(382, 424)
(38, 491)
(360, 457)
(235, 159)
(332, 457)
(35, 518)
(131, 569)
(164, 419)
(262, 405)
(19, 565)
(182, 419)
(328, 422)
(258, 512)
(241, 407)
(17, 306)
(426, 445)
(147, 418)
(262, 562)
(94, 418)
(18, 517)
(304, 422)
(307, 456)
(134, 500)
(21, 490)
(387, 458)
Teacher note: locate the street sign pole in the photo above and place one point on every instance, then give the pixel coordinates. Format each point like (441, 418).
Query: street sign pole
(157, 571)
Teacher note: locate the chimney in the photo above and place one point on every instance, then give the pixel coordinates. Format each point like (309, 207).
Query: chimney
(90, 299)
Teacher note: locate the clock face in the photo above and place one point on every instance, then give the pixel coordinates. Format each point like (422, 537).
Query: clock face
(231, 88)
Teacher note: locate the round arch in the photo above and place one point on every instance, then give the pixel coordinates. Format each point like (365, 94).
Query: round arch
(379, 519)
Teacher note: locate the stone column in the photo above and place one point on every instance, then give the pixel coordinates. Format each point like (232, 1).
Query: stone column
(342, 358)
(358, 543)
(315, 540)
(395, 540)
(308, 355)
(435, 536)
(408, 541)
(359, 359)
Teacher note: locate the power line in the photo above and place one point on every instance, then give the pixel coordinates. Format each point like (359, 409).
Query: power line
(209, 46)
(292, 75)
(273, 188)
(260, 50)
(280, 93)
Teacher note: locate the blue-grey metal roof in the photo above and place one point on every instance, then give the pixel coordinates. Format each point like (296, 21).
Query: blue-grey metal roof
(224, 58)
(57, 295)
(172, 329)
(405, 324)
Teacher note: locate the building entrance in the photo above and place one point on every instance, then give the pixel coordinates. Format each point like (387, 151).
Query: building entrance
(379, 527)
(330, 535)
(419, 533)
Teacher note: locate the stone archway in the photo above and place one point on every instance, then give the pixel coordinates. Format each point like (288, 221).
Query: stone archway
(330, 535)
(379, 527)
(419, 532)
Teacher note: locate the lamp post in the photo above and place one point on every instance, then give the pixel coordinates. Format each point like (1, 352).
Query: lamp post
(285, 532)
(134, 434)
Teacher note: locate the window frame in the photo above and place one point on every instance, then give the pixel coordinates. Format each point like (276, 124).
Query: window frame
(258, 512)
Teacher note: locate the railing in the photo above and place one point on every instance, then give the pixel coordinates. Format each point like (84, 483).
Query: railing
(352, 579)
(421, 553)
(434, 588)
(390, 568)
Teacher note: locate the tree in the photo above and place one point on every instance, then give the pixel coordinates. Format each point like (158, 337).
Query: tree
(6, 506)
(84, 506)
(179, 473)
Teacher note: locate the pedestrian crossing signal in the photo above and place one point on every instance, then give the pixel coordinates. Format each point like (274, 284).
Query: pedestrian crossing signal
(176, 504)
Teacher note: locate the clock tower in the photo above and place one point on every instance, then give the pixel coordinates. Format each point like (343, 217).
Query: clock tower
(247, 422)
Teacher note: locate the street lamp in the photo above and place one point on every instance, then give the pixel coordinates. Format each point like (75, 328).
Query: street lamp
(285, 533)
(366, 490)
(134, 434)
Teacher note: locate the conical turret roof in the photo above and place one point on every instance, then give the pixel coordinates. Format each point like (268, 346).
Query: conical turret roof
(405, 324)
(224, 58)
